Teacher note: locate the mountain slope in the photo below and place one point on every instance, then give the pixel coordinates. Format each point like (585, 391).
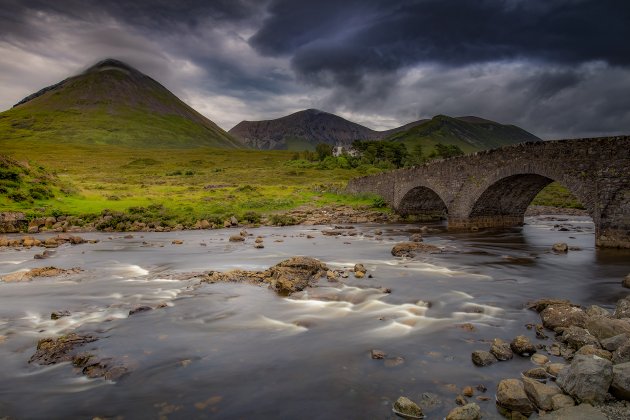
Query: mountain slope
(111, 103)
(305, 129)
(469, 133)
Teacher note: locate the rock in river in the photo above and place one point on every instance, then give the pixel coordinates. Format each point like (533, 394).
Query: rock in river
(555, 316)
(468, 412)
(511, 395)
(522, 346)
(483, 358)
(501, 350)
(410, 249)
(55, 350)
(406, 407)
(587, 379)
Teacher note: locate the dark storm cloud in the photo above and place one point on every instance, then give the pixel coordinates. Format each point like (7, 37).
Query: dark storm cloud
(555, 67)
(346, 39)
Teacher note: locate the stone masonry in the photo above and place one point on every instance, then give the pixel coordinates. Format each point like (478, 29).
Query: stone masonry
(494, 188)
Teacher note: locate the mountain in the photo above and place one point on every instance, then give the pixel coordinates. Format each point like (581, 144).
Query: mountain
(111, 103)
(469, 133)
(301, 130)
(305, 129)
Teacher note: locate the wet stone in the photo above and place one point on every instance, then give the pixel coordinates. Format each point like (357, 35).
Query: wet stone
(59, 314)
(139, 309)
(522, 346)
(483, 358)
(405, 406)
(538, 373)
(377, 354)
(501, 350)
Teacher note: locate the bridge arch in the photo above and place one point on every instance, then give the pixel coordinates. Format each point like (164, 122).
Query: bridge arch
(503, 199)
(422, 200)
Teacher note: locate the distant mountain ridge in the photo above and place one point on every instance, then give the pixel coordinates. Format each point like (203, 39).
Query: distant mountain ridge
(305, 129)
(112, 103)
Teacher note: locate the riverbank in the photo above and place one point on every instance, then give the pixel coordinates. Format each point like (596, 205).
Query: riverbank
(144, 220)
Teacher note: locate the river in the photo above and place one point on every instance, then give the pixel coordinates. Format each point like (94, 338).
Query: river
(241, 351)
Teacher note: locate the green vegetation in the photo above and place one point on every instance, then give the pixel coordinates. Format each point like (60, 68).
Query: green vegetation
(172, 185)
(112, 106)
(469, 134)
(555, 195)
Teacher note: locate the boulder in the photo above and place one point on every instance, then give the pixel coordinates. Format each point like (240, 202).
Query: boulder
(539, 359)
(483, 358)
(626, 281)
(55, 350)
(359, 271)
(613, 343)
(603, 328)
(501, 350)
(560, 401)
(522, 346)
(622, 354)
(467, 412)
(405, 406)
(12, 222)
(560, 248)
(590, 349)
(554, 368)
(587, 379)
(511, 396)
(411, 249)
(556, 316)
(578, 412)
(620, 385)
(540, 394)
(577, 337)
(295, 274)
(236, 238)
(541, 304)
(622, 309)
(595, 310)
(139, 309)
(539, 373)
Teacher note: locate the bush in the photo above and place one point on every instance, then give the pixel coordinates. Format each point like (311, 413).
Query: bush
(282, 220)
(379, 203)
(10, 174)
(18, 196)
(39, 192)
(251, 217)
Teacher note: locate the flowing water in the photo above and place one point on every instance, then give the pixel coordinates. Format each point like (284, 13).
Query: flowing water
(241, 351)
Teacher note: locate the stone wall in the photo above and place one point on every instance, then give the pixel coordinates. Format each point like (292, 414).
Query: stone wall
(493, 188)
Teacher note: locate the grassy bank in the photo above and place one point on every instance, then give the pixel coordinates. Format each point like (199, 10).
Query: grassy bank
(186, 185)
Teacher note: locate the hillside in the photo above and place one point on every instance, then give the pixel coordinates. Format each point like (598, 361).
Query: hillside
(301, 130)
(20, 182)
(469, 133)
(111, 103)
(305, 129)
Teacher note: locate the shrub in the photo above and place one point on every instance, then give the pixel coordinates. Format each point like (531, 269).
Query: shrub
(282, 220)
(251, 217)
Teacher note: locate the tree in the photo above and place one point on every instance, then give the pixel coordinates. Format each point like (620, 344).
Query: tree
(323, 150)
(445, 151)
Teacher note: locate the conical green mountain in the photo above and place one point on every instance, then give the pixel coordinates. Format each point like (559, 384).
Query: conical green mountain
(111, 103)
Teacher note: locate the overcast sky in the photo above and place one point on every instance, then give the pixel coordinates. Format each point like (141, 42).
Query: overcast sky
(558, 68)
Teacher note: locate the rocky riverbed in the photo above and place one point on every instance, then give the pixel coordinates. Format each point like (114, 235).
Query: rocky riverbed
(191, 324)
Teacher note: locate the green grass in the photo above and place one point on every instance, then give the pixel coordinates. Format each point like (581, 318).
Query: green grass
(556, 195)
(190, 184)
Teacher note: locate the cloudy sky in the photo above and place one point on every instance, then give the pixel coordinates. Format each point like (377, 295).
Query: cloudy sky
(558, 68)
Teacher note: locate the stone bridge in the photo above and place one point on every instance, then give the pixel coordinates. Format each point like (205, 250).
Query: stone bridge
(494, 188)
